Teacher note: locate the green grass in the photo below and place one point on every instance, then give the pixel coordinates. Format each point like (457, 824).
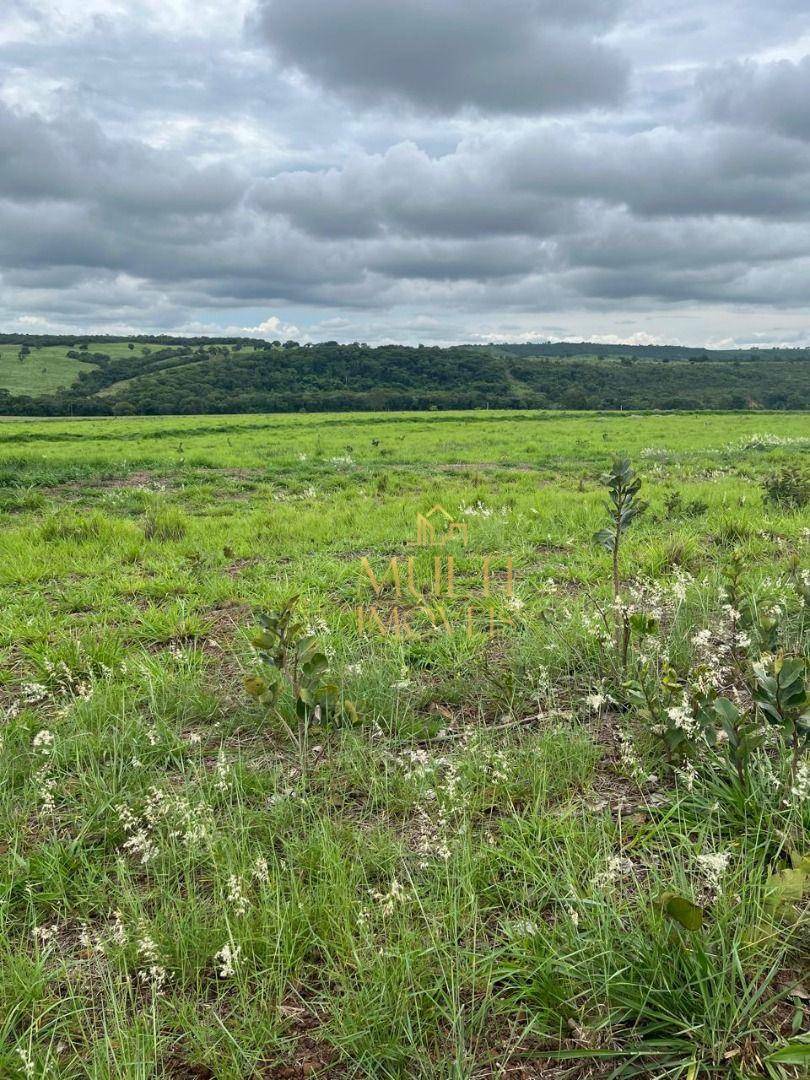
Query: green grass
(464, 882)
(48, 368)
(42, 371)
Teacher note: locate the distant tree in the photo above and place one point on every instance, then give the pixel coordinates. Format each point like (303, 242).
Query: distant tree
(575, 398)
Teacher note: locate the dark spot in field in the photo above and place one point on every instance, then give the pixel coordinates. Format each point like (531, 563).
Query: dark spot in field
(228, 614)
(378, 553)
(310, 1056)
(485, 466)
(552, 549)
(140, 479)
(235, 568)
(182, 1070)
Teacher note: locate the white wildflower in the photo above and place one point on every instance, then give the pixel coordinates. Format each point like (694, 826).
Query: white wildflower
(396, 894)
(47, 789)
(223, 771)
(43, 741)
(118, 933)
(236, 895)
(682, 718)
(33, 693)
(524, 928)
(712, 866)
(153, 973)
(617, 867)
(142, 846)
(227, 959)
(689, 774)
(801, 781)
(27, 1063)
(45, 934)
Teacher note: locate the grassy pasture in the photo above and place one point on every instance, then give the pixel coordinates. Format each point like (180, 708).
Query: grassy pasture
(48, 368)
(464, 882)
(40, 372)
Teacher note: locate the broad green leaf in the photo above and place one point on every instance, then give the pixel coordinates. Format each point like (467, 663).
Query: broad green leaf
(255, 686)
(796, 1052)
(727, 711)
(683, 911)
(785, 886)
(604, 537)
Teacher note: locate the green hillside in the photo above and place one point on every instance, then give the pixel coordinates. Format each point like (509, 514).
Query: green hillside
(42, 371)
(205, 375)
(28, 367)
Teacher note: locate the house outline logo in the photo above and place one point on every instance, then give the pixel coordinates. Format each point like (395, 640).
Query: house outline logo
(427, 534)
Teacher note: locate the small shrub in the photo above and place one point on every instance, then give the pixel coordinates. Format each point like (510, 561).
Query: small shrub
(788, 488)
(292, 661)
(783, 698)
(676, 506)
(623, 507)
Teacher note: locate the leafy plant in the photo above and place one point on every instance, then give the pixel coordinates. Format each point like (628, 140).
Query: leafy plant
(795, 1052)
(742, 735)
(623, 507)
(293, 660)
(677, 716)
(788, 488)
(783, 698)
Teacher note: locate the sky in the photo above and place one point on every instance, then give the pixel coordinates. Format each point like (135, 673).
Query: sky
(431, 171)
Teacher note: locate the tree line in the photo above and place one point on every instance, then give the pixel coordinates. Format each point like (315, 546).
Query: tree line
(232, 375)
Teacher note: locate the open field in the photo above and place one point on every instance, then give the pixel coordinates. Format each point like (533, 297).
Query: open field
(522, 850)
(40, 372)
(48, 367)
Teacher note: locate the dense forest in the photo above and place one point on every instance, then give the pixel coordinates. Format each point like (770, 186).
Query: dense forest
(125, 376)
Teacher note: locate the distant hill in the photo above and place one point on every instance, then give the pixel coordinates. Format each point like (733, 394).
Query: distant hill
(47, 375)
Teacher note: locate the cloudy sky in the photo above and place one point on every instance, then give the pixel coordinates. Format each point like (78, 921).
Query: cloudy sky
(407, 170)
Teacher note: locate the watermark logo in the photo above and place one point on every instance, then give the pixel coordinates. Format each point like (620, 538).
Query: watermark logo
(448, 592)
(437, 518)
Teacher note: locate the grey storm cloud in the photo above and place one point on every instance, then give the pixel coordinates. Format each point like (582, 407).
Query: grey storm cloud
(534, 184)
(517, 56)
(441, 165)
(774, 96)
(73, 159)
